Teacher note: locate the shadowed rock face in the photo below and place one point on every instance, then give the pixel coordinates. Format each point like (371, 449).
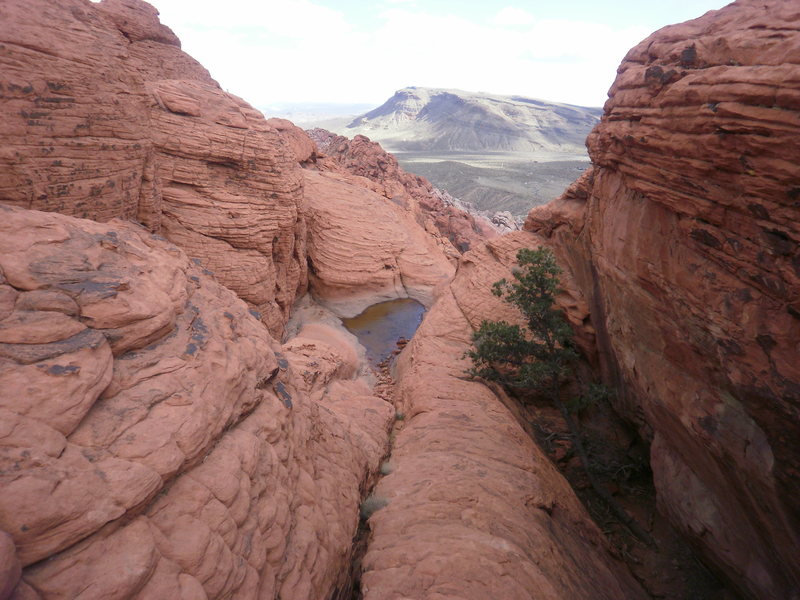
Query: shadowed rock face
(104, 116)
(686, 238)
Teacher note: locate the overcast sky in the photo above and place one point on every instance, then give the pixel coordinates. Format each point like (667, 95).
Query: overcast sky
(361, 51)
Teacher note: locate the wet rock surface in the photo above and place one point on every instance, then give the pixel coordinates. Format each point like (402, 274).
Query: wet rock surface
(381, 327)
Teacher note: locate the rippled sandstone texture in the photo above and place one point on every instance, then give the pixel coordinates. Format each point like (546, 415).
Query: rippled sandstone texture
(104, 116)
(380, 171)
(155, 442)
(685, 237)
(363, 249)
(369, 238)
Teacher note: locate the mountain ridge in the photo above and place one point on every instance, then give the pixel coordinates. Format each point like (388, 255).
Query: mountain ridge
(418, 119)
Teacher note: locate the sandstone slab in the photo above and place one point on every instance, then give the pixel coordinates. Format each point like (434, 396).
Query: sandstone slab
(157, 432)
(472, 507)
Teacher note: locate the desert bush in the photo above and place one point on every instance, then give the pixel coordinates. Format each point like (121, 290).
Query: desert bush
(537, 357)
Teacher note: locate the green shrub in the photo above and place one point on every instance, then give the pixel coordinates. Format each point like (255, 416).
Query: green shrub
(536, 358)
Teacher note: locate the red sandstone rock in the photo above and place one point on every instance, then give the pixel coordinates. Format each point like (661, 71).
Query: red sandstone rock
(367, 159)
(10, 568)
(104, 116)
(153, 443)
(152, 440)
(363, 249)
(685, 238)
(303, 147)
(473, 508)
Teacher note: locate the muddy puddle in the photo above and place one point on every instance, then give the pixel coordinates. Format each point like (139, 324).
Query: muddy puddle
(381, 325)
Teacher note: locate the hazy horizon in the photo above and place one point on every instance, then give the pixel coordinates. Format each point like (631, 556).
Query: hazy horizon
(354, 52)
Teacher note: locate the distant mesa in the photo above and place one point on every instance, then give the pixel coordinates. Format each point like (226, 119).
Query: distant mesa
(495, 153)
(418, 119)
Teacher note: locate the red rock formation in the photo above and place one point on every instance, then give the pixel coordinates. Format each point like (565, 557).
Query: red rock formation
(10, 567)
(303, 147)
(473, 508)
(104, 116)
(384, 175)
(152, 430)
(155, 441)
(686, 238)
(363, 249)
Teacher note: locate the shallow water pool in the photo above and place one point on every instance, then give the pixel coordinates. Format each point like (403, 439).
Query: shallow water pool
(380, 326)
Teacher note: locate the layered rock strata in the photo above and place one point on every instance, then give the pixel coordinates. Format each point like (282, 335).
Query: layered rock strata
(366, 159)
(685, 237)
(363, 249)
(104, 116)
(473, 508)
(156, 442)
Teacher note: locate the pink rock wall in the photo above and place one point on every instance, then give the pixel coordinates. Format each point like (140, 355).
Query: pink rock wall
(685, 237)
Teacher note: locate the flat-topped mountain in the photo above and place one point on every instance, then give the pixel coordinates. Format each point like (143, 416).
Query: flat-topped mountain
(418, 119)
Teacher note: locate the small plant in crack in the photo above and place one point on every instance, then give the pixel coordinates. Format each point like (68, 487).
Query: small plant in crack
(371, 505)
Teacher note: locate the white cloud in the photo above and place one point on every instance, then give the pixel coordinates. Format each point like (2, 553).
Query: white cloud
(514, 17)
(286, 18)
(298, 50)
(568, 61)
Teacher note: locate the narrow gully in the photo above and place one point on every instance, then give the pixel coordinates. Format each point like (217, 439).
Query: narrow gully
(383, 329)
